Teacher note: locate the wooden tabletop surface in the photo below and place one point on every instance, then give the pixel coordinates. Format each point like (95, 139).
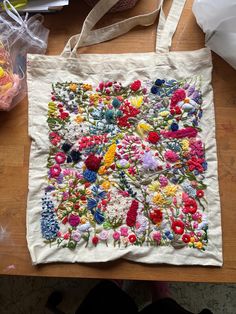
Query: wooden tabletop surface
(15, 147)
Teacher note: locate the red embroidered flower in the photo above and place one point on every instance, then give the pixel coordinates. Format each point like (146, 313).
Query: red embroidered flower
(200, 193)
(135, 85)
(190, 206)
(186, 238)
(132, 214)
(178, 226)
(153, 137)
(132, 238)
(156, 216)
(64, 115)
(178, 95)
(54, 138)
(95, 240)
(74, 220)
(93, 162)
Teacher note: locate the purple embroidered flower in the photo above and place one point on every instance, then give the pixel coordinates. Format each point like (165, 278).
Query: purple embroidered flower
(76, 235)
(163, 181)
(103, 235)
(149, 162)
(74, 220)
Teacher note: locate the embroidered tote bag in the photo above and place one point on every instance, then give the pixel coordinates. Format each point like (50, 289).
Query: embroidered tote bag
(123, 157)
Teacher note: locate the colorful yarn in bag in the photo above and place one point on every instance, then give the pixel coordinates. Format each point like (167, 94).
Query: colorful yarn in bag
(9, 82)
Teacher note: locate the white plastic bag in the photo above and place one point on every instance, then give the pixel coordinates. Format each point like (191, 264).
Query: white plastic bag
(217, 19)
(18, 36)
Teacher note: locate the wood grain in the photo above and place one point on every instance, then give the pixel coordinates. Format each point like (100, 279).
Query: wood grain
(15, 146)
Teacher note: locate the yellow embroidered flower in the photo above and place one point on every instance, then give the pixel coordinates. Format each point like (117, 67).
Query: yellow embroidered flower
(73, 87)
(81, 110)
(94, 99)
(79, 119)
(158, 199)
(154, 186)
(88, 191)
(52, 109)
(90, 217)
(83, 219)
(164, 113)
(170, 190)
(87, 87)
(2, 72)
(185, 144)
(136, 101)
(110, 155)
(102, 170)
(199, 245)
(143, 128)
(106, 185)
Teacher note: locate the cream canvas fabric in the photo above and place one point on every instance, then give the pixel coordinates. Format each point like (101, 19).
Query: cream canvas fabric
(123, 157)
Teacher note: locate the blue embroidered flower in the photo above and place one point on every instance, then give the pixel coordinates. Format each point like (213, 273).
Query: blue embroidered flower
(174, 126)
(90, 175)
(155, 90)
(75, 155)
(99, 217)
(91, 204)
(66, 147)
(98, 192)
(116, 103)
(49, 224)
(159, 82)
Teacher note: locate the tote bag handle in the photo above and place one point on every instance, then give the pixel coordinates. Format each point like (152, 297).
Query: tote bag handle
(87, 37)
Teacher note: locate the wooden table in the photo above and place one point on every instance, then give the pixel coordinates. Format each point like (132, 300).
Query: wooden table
(15, 146)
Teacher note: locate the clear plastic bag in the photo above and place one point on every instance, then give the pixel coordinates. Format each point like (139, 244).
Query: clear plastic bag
(217, 19)
(18, 36)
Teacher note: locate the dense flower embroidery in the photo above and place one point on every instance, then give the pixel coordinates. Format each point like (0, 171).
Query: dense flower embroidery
(126, 165)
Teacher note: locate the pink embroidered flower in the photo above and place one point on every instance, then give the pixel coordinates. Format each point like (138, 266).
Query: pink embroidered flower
(157, 236)
(171, 156)
(60, 157)
(135, 85)
(163, 181)
(103, 235)
(55, 170)
(116, 235)
(74, 220)
(124, 231)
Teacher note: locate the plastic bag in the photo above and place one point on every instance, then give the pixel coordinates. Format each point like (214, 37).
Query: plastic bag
(18, 37)
(217, 19)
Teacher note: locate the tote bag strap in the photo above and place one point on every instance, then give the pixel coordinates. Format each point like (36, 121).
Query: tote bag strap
(88, 37)
(167, 26)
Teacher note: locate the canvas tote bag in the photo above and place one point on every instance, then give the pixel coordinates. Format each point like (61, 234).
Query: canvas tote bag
(123, 157)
